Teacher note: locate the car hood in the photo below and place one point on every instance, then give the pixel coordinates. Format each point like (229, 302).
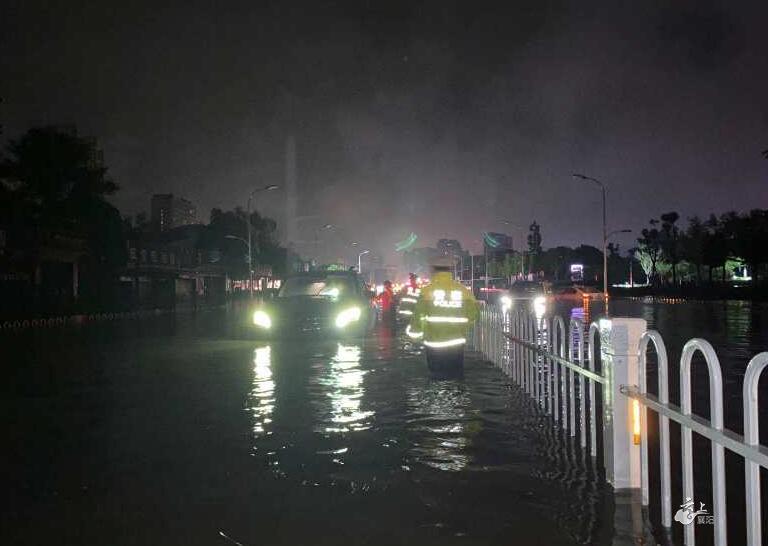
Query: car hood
(305, 306)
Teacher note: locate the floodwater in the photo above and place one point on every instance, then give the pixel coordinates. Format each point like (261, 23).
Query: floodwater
(737, 330)
(181, 430)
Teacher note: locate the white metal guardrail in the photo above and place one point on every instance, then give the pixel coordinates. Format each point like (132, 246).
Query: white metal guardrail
(557, 368)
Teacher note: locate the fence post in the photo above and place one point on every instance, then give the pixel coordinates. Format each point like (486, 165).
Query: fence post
(619, 340)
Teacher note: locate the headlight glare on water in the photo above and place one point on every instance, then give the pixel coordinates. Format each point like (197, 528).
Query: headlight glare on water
(347, 316)
(262, 320)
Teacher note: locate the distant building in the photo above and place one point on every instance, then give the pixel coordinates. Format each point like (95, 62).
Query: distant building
(168, 212)
(497, 242)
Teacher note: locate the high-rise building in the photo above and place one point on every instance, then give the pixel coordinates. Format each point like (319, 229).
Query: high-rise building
(168, 212)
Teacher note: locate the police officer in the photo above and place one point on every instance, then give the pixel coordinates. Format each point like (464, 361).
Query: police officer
(408, 298)
(442, 318)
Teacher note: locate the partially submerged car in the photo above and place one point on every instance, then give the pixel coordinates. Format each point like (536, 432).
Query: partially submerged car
(532, 295)
(335, 304)
(576, 293)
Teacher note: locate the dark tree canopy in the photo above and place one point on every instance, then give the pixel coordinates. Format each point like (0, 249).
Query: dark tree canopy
(53, 178)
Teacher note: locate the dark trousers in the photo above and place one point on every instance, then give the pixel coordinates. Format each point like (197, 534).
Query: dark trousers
(445, 359)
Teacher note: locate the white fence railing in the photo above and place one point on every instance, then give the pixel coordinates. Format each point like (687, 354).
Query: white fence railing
(557, 367)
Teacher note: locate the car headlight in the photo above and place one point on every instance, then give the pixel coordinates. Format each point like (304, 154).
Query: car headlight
(539, 306)
(262, 320)
(506, 303)
(347, 316)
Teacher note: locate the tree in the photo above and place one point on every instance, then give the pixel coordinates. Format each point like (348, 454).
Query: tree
(57, 170)
(555, 261)
(747, 237)
(694, 241)
(646, 263)
(506, 268)
(650, 250)
(715, 251)
(534, 244)
(234, 223)
(670, 241)
(60, 182)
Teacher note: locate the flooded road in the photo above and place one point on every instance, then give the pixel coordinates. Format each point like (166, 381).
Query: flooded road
(179, 430)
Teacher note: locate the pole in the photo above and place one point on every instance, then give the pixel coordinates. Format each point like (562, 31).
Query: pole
(485, 253)
(250, 255)
(472, 273)
(360, 261)
(605, 237)
(605, 254)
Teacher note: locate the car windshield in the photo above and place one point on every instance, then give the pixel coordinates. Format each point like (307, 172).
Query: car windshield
(526, 288)
(322, 287)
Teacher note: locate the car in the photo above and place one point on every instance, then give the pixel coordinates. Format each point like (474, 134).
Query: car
(531, 294)
(333, 304)
(576, 293)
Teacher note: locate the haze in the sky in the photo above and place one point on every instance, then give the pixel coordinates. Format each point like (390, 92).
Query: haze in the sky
(441, 118)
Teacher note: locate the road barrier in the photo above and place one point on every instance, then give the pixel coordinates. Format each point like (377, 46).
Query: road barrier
(544, 358)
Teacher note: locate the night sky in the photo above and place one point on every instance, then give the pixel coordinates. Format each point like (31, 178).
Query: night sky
(439, 118)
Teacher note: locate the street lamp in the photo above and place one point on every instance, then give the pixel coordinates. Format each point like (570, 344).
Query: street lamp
(236, 238)
(269, 187)
(317, 237)
(360, 261)
(605, 236)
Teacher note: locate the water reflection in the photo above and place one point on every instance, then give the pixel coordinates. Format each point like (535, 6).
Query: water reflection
(442, 421)
(262, 396)
(345, 389)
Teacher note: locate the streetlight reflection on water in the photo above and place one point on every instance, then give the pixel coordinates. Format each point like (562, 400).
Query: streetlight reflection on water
(345, 391)
(263, 392)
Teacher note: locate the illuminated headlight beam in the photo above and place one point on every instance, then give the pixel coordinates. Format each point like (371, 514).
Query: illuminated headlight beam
(348, 316)
(262, 320)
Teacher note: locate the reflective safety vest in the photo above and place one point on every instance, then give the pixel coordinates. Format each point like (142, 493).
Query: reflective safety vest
(407, 303)
(443, 314)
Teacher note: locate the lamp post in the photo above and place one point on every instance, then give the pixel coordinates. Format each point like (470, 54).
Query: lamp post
(317, 237)
(360, 261)
(605, 236)
(269, 187)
